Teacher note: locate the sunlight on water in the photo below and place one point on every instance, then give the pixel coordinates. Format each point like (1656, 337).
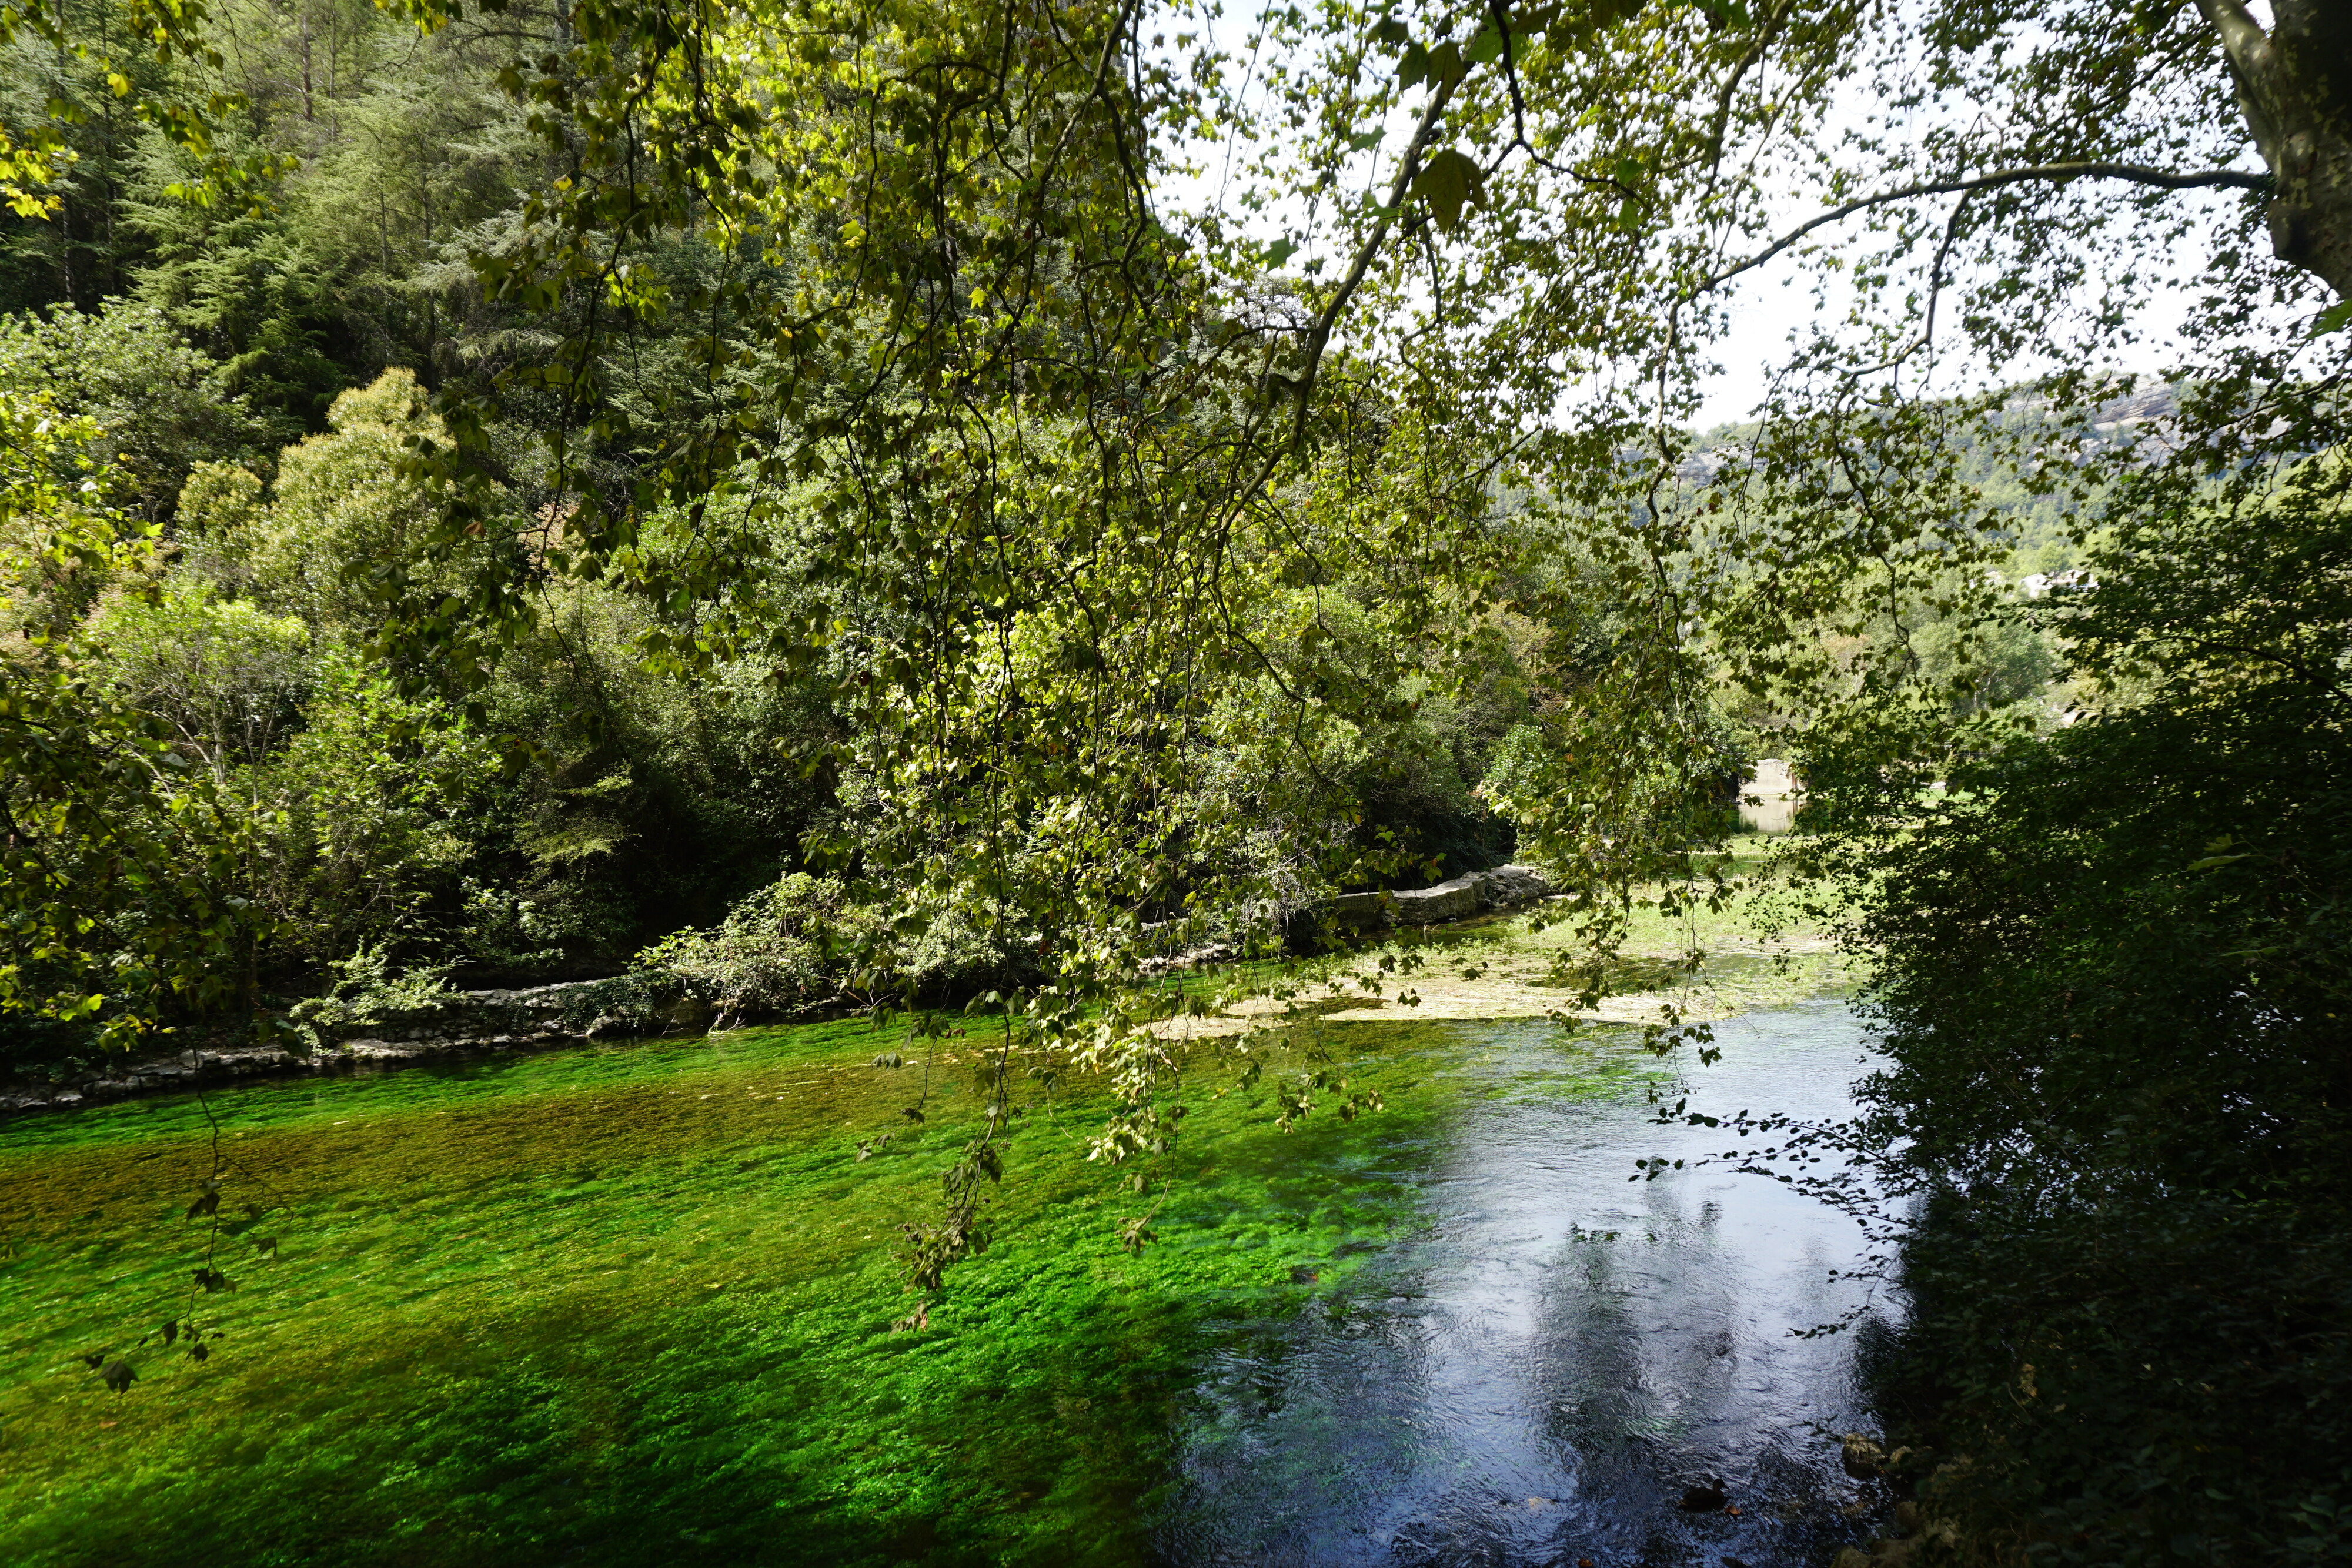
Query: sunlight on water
(1539, 1374)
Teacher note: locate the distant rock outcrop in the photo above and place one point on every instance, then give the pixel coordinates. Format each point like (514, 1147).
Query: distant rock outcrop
(1454, 899)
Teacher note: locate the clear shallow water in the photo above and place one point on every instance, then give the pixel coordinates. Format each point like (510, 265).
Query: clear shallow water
(1537, 1376)
(631, 1306)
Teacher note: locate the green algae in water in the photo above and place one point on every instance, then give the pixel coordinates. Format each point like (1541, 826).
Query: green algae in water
(633, 1306)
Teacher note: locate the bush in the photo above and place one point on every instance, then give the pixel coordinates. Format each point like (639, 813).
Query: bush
(766, 959)
(366, 991)
(161, 407)
(343, 504)
(228, 678)
(371, 816)
(2112, 969)
(799, 944)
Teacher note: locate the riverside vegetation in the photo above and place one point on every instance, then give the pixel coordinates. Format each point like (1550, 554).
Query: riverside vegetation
(822, 506)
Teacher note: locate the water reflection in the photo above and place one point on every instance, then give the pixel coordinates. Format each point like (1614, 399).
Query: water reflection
(1538, 1377)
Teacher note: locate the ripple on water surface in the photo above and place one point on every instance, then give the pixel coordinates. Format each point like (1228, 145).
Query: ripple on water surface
(1539, 1374)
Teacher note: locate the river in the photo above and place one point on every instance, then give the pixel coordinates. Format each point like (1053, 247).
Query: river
(631, 1305)
(1539, 1372)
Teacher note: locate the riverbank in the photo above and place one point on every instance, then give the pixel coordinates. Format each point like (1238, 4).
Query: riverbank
(1479, 913)
(458, 1025)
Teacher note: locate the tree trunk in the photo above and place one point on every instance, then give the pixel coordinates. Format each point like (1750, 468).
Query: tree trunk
(2294, 85)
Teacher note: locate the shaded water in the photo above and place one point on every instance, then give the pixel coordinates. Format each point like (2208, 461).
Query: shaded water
(631, 1306)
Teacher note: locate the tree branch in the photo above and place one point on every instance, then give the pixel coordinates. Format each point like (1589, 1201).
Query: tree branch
(2243, 38)
(1366, 253)
(1746, 62)
(2291, 90)
(2254, 66)
(2052, 173)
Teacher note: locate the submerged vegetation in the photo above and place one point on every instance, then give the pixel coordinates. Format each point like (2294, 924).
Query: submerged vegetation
(637, 1302)
(638, 1305)
(956, 511)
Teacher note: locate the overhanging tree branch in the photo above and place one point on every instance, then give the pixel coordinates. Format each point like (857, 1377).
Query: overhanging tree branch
(2050, 173)
(1366, 253)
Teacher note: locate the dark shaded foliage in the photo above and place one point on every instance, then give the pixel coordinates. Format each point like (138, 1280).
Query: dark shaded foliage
(2113, 979)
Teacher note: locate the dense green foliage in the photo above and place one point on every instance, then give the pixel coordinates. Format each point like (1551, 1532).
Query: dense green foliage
(2112, 970)
(585, 801)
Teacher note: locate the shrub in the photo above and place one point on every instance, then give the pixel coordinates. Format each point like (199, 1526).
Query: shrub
(766, 959)
(367, 991)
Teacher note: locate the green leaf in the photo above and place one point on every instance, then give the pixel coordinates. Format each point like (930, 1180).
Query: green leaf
(2334, 318)
(1391, 32)
(1280, 251)
(1445, 65)
(1487, 47)
(1448, 180)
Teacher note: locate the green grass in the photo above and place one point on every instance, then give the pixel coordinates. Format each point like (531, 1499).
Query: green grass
(633, 1306)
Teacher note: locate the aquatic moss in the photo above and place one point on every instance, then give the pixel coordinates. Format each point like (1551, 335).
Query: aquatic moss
(633, 1305)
